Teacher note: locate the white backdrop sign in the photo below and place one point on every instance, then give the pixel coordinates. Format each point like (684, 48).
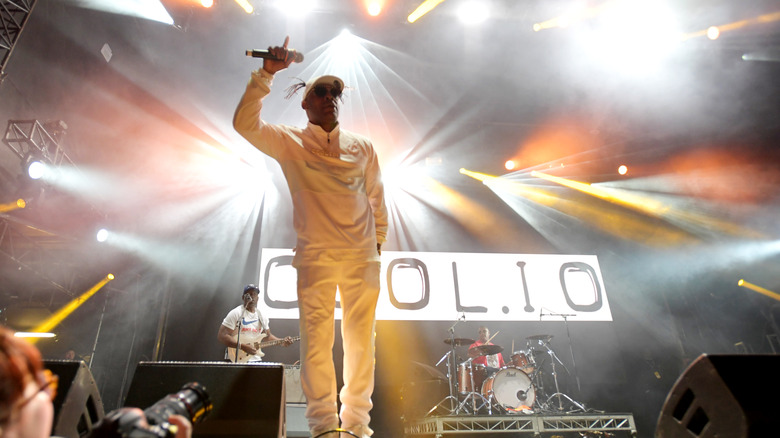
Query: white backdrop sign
(438, 286)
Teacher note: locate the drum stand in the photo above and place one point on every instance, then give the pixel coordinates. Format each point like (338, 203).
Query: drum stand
(558, 392)
(452, 384)
(451, 399)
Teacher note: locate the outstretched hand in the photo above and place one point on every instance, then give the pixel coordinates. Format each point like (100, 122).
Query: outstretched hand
(283, 59)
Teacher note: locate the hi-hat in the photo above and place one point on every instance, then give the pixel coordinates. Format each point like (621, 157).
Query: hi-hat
(485, 350)
(459, 341)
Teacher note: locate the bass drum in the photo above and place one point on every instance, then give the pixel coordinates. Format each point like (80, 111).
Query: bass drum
(511, 388)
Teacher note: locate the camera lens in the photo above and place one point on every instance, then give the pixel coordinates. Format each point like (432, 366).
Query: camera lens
(192, 402)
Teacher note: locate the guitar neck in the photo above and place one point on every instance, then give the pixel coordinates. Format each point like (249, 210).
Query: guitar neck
(272, 343)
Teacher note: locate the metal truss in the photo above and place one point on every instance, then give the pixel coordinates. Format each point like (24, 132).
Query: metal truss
(25, 247)
(523, 424)
(13, 17)
(31, 137)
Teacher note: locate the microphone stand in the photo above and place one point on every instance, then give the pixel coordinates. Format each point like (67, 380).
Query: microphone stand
(565, 317)
(452, 383)
(238, 338)
(452, 364)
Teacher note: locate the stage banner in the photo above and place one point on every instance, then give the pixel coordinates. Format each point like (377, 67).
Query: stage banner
(441, 286)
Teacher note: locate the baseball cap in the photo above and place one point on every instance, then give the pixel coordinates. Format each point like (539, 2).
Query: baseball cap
(325, 79)
(249, 288)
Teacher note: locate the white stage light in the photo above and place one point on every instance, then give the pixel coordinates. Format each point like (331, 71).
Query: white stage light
(473, 12)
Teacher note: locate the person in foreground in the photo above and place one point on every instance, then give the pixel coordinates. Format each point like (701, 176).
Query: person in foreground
(27, 391)
(340, 219)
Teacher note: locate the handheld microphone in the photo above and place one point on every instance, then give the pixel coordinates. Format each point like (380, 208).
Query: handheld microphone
(265, 54)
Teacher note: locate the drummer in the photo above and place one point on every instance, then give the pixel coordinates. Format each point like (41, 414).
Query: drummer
(492, 362)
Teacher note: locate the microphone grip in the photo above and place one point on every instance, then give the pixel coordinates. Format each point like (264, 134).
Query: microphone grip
(265, 54)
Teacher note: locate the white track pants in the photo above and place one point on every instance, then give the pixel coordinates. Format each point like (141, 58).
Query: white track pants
(358, 285)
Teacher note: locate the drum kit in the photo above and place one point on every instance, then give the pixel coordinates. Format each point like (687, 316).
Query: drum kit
(518, 387)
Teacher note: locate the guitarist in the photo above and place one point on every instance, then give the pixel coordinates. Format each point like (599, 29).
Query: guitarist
(253, 325)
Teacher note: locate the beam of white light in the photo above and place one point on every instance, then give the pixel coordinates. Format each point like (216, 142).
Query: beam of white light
(369, 107)
(147, 9)
(294, 8)
(473, 12)
(374, 8)
(631, 36)
(763, 55)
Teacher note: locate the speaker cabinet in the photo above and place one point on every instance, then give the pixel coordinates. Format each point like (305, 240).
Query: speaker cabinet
(77, 406)
(723, 396)
(247, 399)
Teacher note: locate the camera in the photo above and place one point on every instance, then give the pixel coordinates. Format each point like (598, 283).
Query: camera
(191, 402)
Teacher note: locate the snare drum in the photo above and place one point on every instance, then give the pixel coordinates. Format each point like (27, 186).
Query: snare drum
(524, 360)
(511, 389)
(468, 373)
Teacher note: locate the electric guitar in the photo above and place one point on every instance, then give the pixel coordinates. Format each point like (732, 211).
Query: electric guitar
(258, 345)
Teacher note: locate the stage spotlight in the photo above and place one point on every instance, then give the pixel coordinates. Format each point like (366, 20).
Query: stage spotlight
(510, 165)
(756, 288)
(207, 3)
(36, 169)
(34, 166)
(246, 6)
(102, 235)
(294, 8)
(713, 32)
(374, 8)
(33, 335)
(19, 203)
(472, 13)
(424, 8)
(623, 169)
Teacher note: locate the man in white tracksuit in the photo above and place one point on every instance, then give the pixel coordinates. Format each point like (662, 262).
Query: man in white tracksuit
(340, 219)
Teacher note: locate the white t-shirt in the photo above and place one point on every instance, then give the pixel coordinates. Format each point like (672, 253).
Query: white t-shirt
(253, 324)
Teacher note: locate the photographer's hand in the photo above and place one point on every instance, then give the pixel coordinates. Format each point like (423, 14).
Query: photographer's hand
(184, 426)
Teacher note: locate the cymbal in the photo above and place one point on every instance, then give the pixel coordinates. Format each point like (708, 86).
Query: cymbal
(541, 338)
(485, 350)
(459, 341)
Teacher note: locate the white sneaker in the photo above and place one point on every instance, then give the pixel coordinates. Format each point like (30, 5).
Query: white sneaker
(360, 431)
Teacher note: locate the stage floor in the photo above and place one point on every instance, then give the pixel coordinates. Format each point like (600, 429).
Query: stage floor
(605, 424)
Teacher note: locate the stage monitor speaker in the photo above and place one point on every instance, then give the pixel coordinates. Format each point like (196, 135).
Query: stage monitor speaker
(77, 405)
(723, 396)
(247, 399)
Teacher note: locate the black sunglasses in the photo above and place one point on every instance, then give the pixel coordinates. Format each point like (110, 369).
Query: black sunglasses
(321, 91)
